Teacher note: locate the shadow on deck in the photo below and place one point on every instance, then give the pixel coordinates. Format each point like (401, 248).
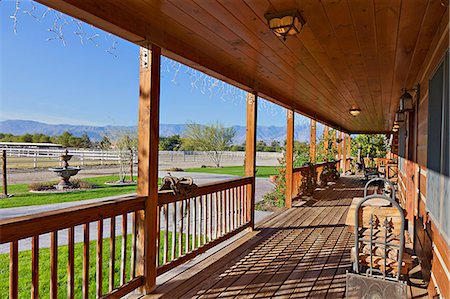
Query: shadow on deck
(300, 252)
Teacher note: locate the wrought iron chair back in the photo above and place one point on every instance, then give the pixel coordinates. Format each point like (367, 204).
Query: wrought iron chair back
(386, 243)
(366, 187)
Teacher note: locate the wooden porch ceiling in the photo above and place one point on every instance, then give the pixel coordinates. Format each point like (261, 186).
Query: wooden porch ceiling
(350, 52)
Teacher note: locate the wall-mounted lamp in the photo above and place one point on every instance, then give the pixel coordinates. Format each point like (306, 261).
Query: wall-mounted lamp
(399, 117)
(394, 130)
(285, 23)
(355, 111)
(406, 100)
(396, 126)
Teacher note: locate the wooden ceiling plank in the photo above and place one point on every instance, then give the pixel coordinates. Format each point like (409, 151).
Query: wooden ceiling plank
(387, 14)
(411, 18)
(272, 42)
(322, 29)
(363, 16)
(430, 26)
(339, 17)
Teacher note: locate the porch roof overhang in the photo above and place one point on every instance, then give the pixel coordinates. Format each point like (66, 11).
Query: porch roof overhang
(349, 53)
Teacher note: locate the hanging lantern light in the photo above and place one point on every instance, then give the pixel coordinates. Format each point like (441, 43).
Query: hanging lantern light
(285, 23)
(399, 117)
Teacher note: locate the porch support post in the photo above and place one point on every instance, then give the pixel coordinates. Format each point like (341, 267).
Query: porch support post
(250, 154)
(344, 155)
(349, 150)
(312, 142)
(148, 139)
(339, 149)
(289, 157)
(325, 142)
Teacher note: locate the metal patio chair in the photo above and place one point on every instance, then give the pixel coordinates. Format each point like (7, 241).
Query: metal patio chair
(378, 252)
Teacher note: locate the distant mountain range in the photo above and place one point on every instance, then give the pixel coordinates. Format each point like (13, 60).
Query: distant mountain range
(265, 133)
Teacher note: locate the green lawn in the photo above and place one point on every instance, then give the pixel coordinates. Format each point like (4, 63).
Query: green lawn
(261, 171)
(24, 198)
(44, 268)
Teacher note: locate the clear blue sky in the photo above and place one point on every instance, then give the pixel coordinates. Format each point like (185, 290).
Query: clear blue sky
(78, 83)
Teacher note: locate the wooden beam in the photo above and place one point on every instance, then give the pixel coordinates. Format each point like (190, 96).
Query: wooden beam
(289, 157)
(250, 154)
(148, 139)
(312, 142)
(325, 142)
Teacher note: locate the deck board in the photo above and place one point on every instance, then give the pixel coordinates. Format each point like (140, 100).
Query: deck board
(302, 252)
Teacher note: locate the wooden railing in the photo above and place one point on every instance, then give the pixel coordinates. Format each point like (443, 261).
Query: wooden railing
(77, 223)
(187, 227)
(299, 172)
(190, 226)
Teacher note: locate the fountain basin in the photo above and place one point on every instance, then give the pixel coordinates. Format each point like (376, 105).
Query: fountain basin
(65, 173)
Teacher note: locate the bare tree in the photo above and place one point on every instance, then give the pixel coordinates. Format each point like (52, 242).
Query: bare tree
(213, 139)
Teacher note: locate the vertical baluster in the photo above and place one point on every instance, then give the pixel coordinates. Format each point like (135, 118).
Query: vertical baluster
(188, 224)
(112, 253)
(223, 213)
(158, 243)
(180, 237)
(233, 208)
(35, 267)
(70, 263)
(166, 233)
(205, 213)
(238, 206)
(217, 228)
(99, 276)
(226, 204)
(133, 245)
(194, 230)
(174, 230)
(123, 262)
(210, 217)
(14, 269)
(86, 262)
(200, 220)
(54, 265)
(244, 204)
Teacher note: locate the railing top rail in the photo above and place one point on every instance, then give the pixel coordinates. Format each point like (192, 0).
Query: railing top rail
(297, 169)
(165, 198)
(22, 227)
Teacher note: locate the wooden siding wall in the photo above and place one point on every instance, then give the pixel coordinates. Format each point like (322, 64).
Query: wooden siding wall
(430, 245)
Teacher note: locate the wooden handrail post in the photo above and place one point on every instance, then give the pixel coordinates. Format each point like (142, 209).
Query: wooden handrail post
(289, 157)
(312, 142)
(339, 149)
(344, 155)
(5, 180)
(250, 154)
(325, 142)
(148, 139)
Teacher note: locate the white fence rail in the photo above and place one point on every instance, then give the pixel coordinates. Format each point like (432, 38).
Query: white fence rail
(38, 157)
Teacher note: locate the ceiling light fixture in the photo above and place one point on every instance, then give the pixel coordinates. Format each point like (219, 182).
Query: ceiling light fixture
(285, 23)
(354, 111)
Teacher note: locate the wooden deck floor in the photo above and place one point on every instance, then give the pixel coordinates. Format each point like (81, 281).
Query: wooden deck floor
(302, 252)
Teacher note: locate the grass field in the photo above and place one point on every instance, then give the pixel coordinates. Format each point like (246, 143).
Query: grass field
(261, 171)
(44, 268)
(24, 198)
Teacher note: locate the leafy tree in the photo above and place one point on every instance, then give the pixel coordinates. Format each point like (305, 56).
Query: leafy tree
(105, 143)
(372, 145)
(301, 153)
(213, 139)
(85, 141)
(261, 146)
(170, 143)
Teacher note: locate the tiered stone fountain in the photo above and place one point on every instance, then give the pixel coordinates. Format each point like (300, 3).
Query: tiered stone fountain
(65, 172)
